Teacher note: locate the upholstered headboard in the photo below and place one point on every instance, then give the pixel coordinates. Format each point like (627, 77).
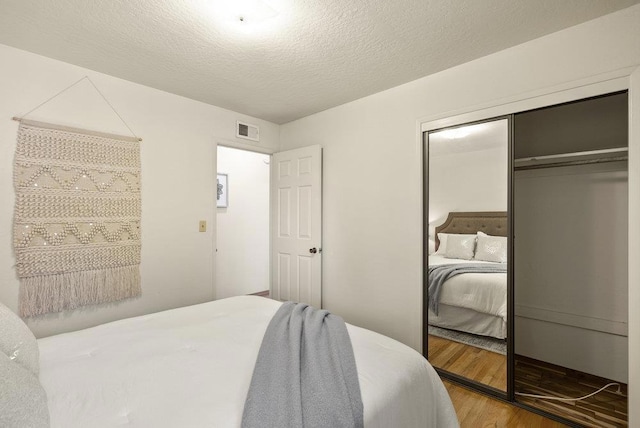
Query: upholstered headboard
(489, 222)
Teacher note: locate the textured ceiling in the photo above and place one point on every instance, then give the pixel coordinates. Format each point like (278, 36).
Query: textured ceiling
(313, 55)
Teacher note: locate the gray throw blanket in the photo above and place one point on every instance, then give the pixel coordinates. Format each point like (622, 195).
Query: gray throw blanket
(440, 273)
(305, 374)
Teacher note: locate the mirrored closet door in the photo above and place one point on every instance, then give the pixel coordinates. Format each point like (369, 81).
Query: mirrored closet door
(466, 251)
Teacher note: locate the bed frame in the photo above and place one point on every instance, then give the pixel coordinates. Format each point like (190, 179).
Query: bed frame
(489, 222)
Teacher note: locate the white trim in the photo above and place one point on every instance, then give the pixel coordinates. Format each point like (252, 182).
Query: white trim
(243, 146)
(589, 323)
(600, 84)
(223, 142)
(634, 248)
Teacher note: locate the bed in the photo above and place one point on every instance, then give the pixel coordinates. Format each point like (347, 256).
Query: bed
(472, 302)
(192, 367)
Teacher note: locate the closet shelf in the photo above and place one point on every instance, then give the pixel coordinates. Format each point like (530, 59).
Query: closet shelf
(570, 159)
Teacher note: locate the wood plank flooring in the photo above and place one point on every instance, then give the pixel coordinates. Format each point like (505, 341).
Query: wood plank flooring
(475, 410)
(489, 368)
(606, 409)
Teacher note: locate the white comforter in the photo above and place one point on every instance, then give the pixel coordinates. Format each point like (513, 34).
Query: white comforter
(191, 367)
(482, 292)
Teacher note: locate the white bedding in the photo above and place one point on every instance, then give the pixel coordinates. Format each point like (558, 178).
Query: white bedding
(482, 292)
(485, 293)
(191, 367)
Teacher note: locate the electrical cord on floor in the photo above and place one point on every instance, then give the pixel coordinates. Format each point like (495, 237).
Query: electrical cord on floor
(571, 399)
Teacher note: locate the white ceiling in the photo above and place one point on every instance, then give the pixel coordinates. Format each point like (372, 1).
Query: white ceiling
(313, 55)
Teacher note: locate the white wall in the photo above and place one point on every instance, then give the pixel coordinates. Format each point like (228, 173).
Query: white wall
(468, 181)
(571, 266)
(242, 262)
(372, 176)
(178, 169)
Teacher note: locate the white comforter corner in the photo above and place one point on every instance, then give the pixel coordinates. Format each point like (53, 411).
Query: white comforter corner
(191, 367)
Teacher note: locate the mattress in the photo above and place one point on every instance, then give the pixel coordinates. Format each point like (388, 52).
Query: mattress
(192, 366)
(481, 298)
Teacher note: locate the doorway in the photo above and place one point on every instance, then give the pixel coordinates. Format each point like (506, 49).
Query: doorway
(242, 222)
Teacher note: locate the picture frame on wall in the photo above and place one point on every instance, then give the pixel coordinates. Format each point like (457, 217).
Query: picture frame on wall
(222, 200)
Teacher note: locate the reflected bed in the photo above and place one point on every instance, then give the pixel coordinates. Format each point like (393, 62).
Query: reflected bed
(472, 302)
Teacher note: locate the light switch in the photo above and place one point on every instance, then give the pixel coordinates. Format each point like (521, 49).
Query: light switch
(203, 225)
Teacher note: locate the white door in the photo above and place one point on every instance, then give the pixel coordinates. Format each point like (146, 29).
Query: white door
(296, 225)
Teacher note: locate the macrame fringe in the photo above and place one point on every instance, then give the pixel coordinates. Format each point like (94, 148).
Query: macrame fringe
(56, 293)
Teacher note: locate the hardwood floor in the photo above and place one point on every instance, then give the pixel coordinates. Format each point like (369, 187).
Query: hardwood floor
(475, 410)
(486, 367)
(606, 409)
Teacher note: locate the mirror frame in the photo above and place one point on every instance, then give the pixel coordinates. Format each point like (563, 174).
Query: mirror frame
(509, 393)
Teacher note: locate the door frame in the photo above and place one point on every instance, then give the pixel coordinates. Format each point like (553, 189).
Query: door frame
(222, 142)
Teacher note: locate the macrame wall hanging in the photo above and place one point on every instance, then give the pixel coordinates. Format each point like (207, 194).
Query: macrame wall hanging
(77, 216)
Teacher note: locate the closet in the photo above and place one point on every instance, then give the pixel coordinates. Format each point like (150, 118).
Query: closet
(552, 183)
(570, 209)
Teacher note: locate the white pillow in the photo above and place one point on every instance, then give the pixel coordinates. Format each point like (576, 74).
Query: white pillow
(18, 342)
(491, 248)
(460, 247)
(443, 237)
(23, 400)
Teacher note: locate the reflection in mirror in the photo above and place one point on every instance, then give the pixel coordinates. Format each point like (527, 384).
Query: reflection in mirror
(467, 233)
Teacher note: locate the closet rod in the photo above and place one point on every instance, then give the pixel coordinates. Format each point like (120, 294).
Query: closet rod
(568, 159)
(558, 164)
(568, 155)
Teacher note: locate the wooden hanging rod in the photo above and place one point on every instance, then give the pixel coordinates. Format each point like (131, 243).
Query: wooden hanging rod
(77, 130)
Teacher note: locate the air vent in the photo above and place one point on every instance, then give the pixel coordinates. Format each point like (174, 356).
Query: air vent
(247, 131)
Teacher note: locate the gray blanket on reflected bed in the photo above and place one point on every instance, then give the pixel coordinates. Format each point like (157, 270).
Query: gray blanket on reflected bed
(438, 274)
(305, 374)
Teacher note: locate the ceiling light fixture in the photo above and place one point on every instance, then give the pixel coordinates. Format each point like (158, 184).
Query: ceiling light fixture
(243, 11)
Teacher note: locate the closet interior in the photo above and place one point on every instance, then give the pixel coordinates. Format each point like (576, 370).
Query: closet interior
(570, 209)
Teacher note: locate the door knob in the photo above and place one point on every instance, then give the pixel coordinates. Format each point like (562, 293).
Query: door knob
(313, 250)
